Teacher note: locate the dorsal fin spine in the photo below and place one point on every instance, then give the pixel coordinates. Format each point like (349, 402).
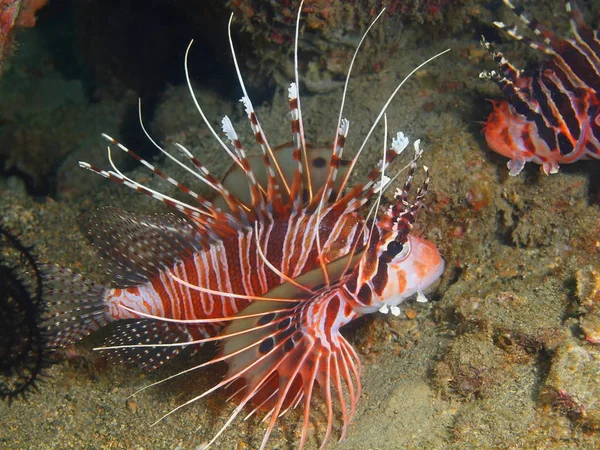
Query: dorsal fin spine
(202, 201)
(118, 178)
(273, 189)
(297, 187)
(257, 199)
(334, 163)
(298, 108)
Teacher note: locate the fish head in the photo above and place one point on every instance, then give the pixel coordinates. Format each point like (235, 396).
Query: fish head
(413, 270)
(415, 267)
(398, 265)
(511, 135)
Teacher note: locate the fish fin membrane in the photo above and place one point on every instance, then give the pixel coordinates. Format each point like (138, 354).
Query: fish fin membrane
(75, 305)
(283, 361)
(146, 332)
(281, 356)
(318, 158)
(136, 248)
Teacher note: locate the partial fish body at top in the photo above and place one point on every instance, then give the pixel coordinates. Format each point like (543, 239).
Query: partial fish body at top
(271, 270)
(552, 116)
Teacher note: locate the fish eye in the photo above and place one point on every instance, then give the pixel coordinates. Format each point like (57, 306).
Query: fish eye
(393, 248)
(397, 251)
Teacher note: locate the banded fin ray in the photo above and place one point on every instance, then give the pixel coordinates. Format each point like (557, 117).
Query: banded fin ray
(273, 368)
(257, 349)
(332, 183)
(273, 194)
(577, 58)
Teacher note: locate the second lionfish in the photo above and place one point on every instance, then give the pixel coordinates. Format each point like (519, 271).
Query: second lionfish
(271, 270)
(550, 116)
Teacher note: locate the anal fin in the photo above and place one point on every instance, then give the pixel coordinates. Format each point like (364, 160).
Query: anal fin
(146, 332)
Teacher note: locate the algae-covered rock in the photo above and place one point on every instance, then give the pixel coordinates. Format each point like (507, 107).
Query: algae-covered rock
(471, 367)
(572, 385)
(588, 288)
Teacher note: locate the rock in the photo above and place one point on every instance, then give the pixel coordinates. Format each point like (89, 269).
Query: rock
(572, 385)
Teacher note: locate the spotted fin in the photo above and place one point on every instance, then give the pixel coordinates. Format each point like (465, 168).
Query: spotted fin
(75, 305)
(235, 180)
(146, 332)
(135, 248)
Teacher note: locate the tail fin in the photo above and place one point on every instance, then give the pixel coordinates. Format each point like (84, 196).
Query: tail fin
(76, 306)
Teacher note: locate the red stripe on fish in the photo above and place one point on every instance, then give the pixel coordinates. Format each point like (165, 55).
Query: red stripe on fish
(552, 116)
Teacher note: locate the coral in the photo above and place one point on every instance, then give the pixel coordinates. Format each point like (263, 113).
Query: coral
(425, 10)
(15, 13)
(330, 32)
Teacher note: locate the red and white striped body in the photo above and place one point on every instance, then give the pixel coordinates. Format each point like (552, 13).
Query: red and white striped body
(234, 265)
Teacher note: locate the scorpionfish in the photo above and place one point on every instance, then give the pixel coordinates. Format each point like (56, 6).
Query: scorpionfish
(271, 270)
(552, 116)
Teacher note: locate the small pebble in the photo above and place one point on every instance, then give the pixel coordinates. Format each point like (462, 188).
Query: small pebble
(131, 405)
(410, 313)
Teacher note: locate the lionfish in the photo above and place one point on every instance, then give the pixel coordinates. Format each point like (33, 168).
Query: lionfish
(272, 270)
(552, 116)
